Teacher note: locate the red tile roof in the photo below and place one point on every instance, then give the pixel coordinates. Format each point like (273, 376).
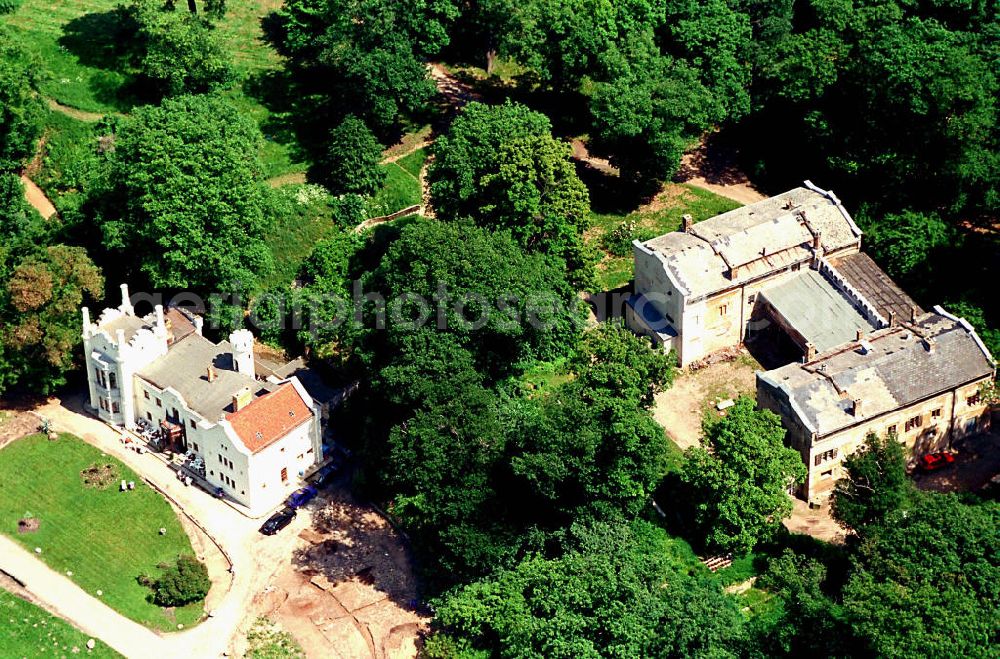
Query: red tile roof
(270, 417)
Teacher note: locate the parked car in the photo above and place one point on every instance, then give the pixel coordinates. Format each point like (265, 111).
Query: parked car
(302, 496)
(278, 521)
(934, 461)
(328, 472)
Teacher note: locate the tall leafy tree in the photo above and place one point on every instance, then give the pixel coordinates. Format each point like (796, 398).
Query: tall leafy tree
(39, 315)
(740, 487)
(178, 52)
(501, 166)
(352, 159)
(876, 484)
(187, 176)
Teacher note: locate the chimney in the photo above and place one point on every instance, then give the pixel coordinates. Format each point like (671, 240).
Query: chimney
(199, 323)
(211, 374)
(126, 307)
(913, 313)
(810, 352)
(856, 407)
(686, 222)
(161, 325)
(892, 319)
(817, 241)
(860, 334)
(929, 343)
(241, 399)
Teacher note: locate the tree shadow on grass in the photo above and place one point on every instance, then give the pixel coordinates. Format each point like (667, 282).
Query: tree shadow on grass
(106, 41)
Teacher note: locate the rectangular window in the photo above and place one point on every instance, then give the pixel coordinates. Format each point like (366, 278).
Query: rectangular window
(193, 424)
(891, 430)
(796, 267)
(196, 447)
(115, 408)
(114, 380)
(827, 474)
(751, 298)
(284, 474)
(817, 460)
(936, 414)
(300, 456)
(145, 394)
(159, 403)
(973, 399)
(912, 423)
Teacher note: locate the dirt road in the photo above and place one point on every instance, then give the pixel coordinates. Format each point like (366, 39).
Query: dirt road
(37, 198)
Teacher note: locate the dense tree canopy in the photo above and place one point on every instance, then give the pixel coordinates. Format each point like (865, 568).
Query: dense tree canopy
(501, 166)
(740, 488)
(178, 51)
(187, 176)
(876, 484)
(617, 593)
(925, 580)
(364, 57)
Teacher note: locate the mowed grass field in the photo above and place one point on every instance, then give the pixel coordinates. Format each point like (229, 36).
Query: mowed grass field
(28, 631)
(106, 538)
(74, 40)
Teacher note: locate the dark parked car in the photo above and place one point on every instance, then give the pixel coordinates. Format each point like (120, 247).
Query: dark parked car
(934, 461)
(302, 496)
(328, 472)
(278, 521)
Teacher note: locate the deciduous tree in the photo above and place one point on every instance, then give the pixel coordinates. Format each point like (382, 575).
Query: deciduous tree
(740, 487)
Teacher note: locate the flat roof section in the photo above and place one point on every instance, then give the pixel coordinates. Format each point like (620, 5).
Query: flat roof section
(818, 311)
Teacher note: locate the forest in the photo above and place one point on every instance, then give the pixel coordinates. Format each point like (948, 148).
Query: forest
(238, 153)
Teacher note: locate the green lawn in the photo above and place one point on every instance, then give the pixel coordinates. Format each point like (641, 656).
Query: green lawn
(662, 216)
(402, 185)
(28, 631)
(295, 232)
(106, 538)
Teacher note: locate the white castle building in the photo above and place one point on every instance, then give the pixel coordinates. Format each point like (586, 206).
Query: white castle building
(257, 437)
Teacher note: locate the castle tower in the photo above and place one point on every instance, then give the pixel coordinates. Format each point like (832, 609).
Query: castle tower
(242, 342)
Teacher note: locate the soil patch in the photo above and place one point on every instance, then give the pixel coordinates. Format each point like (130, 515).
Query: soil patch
(99, 476)
(680, 408)
(28, 525)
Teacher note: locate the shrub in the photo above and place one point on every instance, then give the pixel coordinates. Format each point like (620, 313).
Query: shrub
(352, 159)
(182, 583)
(9, 6)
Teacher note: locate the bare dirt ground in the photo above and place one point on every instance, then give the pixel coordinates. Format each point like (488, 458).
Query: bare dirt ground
(679, 409)
(73, 112)
(37, 198)
(815, 522)
(976, 462)
(713, 168)
(350, 590)
(16, 424)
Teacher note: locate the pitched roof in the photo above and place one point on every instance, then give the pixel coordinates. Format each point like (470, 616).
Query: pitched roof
(817, 310)
(878, 288)
(894, 367)
(754, 240)
(270, 417)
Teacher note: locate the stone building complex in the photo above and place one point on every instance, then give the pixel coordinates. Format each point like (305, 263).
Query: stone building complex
(256, 437)
(787, 275)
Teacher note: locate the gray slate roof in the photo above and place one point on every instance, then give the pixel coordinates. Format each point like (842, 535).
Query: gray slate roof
(757, 239)
(185, 369)
(897, 370)
(817, 310)
(878, 288)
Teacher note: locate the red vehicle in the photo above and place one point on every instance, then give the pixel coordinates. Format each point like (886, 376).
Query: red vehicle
(934, 461)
